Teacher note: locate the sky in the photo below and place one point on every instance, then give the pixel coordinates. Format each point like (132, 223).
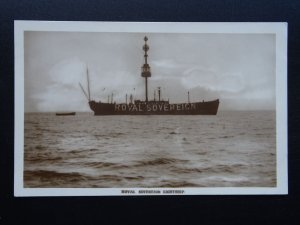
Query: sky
(238, 69)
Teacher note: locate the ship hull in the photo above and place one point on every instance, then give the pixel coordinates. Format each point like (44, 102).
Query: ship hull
(156, 108)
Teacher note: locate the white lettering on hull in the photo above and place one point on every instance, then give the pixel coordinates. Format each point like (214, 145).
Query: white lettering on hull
(154, 107)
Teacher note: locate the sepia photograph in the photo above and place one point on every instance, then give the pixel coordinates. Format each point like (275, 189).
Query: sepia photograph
(116, 108)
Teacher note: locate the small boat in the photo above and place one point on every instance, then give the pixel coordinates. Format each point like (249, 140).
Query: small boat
(66, 114)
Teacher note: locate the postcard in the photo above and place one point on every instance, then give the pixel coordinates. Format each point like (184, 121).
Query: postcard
(133, 108)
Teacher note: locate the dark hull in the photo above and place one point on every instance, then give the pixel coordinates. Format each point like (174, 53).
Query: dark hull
(66, 114)
(157, 108)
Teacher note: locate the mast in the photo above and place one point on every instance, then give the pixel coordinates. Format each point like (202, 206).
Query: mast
(87, 95)
(159, 94)
(188, 97)
(88, 83)
(146, 68)
(131, 99)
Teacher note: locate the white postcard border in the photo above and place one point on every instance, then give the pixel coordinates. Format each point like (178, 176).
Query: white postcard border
(280, 29)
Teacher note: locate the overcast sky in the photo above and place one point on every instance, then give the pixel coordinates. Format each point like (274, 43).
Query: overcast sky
(239, 69)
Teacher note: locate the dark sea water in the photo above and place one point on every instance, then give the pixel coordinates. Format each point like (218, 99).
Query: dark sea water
(232, 149)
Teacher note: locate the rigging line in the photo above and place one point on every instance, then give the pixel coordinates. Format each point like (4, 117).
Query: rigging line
(85, 94)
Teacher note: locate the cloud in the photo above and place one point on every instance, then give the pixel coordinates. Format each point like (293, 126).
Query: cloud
(193, 76)
(62, 92)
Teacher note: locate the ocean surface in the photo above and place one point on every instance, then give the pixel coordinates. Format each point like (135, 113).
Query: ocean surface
(231, 149)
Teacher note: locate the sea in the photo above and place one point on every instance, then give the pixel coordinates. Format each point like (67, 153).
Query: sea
(231, 149)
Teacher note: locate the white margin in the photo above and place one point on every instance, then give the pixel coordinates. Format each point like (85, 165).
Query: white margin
(280, 29)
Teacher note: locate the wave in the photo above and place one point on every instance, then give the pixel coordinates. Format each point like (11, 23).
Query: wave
(178, 184)
(42, 159)
(43, 130)
(135, 178)
(232, 168)
(160, 161)
(109, 135)
(44, 175)
(79, 151)
(40, 147)
(109, 178)
(109, 165)
(99, 164)
(214, 169)
(226, 136)
(187, 170)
